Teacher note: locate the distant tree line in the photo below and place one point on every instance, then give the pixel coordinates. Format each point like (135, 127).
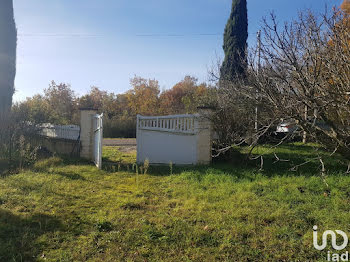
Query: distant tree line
(60, 105)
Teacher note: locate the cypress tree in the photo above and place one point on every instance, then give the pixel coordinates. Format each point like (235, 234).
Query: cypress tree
(8, 44)
(235, 42)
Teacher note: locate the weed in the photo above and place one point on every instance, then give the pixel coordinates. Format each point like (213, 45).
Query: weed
(171, 167)
(146, 166)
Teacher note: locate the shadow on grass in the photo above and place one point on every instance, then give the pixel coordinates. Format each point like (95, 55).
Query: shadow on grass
(3, 166)
(70, 175)
(294, 159)
(75, 161)
(19, 235)
(302, 160)
(286, 160)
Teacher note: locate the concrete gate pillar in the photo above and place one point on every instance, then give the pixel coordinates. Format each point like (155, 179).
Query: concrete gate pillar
(86, 132)
(204, 138)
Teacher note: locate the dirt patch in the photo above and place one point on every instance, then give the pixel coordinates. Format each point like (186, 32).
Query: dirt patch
(127, 149)
(119, 142)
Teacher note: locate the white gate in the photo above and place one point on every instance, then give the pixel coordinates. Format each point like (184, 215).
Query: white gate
(98, 137)
(179, 139)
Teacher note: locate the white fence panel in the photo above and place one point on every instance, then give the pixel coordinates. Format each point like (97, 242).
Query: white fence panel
(69, 132)
(177, 139)
(98, 137)
(184, 124)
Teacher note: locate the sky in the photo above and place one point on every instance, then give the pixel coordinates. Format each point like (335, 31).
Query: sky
(105, 43)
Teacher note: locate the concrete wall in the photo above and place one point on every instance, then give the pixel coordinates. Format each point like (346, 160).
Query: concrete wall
(165, 147)
(57, 145)
(73, 146)
(183, 140)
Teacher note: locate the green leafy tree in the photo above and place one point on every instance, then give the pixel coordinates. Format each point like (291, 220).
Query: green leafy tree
(61, 98)
(35, 109)
(8, 44)
(235, 42)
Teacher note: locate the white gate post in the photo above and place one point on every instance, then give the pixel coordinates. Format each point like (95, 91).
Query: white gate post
(98, 139)
(86, 132)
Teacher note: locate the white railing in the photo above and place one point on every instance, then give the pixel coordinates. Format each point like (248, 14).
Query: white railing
(175, 123)
(70, 132)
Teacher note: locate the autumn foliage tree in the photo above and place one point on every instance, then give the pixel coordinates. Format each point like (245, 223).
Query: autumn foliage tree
(96, 98)
(118, 119)
(346, 6)
(143, 97)
(184, 97)
(57, 106)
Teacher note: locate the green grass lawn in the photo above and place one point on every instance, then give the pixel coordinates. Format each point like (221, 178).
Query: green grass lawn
(112, 155)
(70, 211)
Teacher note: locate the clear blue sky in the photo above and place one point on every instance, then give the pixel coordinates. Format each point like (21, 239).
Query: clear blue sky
(106, 42)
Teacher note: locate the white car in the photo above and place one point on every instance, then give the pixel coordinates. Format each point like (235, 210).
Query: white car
(286, 127)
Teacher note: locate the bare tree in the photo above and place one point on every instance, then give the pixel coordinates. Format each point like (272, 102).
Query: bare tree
(304, 75)
(306, 64)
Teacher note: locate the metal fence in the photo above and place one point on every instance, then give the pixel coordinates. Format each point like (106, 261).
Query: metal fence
(69, 132)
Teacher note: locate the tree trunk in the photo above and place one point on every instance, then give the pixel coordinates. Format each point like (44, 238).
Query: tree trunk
(8, 44)
(304, 132)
